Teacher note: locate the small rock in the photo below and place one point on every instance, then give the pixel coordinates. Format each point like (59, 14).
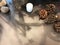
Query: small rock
(4, 9)
(2, 2)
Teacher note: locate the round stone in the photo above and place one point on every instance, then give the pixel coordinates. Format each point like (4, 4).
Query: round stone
(2, 2)
(4, 9)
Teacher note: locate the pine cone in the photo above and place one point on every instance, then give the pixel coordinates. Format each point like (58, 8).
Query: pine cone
(42, 14)
(57, 27)
(50, 19)
(51, 8)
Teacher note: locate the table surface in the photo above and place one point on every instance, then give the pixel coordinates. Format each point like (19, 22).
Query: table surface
(36, 35)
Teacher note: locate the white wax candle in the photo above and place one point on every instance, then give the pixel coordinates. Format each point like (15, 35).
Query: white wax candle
(29, 7)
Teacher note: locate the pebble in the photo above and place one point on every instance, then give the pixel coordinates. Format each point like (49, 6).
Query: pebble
(4, 9)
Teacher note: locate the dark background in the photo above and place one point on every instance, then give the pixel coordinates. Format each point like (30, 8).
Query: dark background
(36, 2)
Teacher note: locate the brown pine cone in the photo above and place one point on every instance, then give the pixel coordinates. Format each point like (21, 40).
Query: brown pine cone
(57, 27)
(50, 19)
(43, 14)
(51, 8)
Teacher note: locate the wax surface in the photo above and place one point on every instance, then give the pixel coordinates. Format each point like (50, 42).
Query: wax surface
(29, 7)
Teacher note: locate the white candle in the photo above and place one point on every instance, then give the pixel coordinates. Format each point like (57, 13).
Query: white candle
(29, 7)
